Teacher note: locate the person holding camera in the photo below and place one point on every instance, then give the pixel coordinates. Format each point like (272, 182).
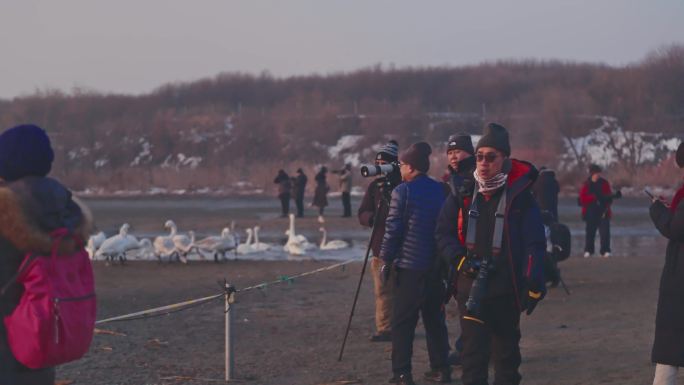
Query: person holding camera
(595, 197)
(408, 251)
(668, 346)
(499, 265)
(373, 213)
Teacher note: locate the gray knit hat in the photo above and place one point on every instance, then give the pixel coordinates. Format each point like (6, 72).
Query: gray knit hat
(388, 152)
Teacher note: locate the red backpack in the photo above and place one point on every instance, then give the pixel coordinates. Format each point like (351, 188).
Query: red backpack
(55, 318)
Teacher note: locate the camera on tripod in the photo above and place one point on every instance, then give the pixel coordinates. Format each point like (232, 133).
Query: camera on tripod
(370, 170)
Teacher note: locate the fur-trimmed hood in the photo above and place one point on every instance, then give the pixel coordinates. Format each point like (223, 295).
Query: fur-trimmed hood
(31, 208)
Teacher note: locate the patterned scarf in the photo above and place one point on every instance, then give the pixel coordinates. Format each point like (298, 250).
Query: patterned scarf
(492, 184)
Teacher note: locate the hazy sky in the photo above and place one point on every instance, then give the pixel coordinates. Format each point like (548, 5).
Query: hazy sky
(133, 46)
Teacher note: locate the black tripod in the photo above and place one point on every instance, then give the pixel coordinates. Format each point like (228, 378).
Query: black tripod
(383, 204)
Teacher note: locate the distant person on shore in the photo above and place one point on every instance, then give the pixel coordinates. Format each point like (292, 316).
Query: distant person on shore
(546, 190)
(500, 263)
(596, 197)
(376, 201)
(668, 347)
(409, 254)
(345, 176)
(320, 199)
(461, 165)
(284, 188)
(298, 190)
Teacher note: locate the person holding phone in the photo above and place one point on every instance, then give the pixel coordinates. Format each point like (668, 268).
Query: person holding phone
(668, 345)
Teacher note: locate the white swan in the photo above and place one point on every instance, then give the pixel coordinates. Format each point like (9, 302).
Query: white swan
(332, 245)
(259, 246)
(246, 248)
(132, 243)
(184, 245)
(218, 245)
(94, 243)
(164, 245)
(296, 245)
(115, 246)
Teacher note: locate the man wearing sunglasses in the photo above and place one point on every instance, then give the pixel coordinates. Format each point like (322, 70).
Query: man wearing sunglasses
(504, 237)
(409, 248)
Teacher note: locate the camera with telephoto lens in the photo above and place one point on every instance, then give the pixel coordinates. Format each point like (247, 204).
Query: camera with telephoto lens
(370, 170)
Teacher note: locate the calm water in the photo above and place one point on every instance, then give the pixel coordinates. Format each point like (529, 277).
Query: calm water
(631, 228)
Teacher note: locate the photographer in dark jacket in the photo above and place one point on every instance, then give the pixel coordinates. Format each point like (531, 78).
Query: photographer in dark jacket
(409, 248)
(31, 206)
(668, 346)
(284, 188)
(515, 275)
(376, 200)
(298, 190)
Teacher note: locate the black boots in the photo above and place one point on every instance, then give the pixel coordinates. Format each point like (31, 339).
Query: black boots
(442, 375)
(402, 379)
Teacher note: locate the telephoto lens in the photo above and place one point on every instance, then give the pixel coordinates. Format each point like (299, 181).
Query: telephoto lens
(369, 170)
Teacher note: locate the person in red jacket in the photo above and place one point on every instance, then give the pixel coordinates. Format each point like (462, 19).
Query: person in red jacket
(595, 197)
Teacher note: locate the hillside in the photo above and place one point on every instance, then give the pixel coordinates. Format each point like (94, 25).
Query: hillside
(233, 131)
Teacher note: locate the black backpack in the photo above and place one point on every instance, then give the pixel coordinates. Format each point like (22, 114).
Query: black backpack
(561, 241)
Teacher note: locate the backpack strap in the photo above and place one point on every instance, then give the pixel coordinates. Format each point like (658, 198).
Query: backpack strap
(57, 236)
(499, 221)
(22, 268)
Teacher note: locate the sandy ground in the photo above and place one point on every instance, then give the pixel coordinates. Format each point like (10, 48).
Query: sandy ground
(291, 333)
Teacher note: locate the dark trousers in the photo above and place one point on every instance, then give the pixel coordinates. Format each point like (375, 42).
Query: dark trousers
(284, 204)
(414, 293)
(603, 226)
(346, 203)
(299, 201)
(498, 338)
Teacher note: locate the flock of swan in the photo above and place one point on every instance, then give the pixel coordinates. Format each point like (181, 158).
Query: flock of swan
(176, 246)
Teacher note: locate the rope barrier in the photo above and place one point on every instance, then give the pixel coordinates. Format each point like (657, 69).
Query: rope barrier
(176, 307)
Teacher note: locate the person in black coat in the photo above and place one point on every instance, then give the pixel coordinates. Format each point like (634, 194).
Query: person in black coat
(298, 190)
(546, 190)
(284, 188)
(668, 346)
(320, 199)
(491, 330)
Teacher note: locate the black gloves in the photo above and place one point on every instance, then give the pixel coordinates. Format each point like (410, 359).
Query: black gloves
(531, 297)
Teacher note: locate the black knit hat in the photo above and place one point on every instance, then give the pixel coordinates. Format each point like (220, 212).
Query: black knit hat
(418, 156)
(594, 168)
(461, 141)
(680, 155)
(495, 136)
(25, 150)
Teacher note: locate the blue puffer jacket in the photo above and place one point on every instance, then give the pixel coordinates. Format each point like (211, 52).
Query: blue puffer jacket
(410, 227)
(524, 240)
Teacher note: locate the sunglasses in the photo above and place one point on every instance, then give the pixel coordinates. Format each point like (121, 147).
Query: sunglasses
(488, 157)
